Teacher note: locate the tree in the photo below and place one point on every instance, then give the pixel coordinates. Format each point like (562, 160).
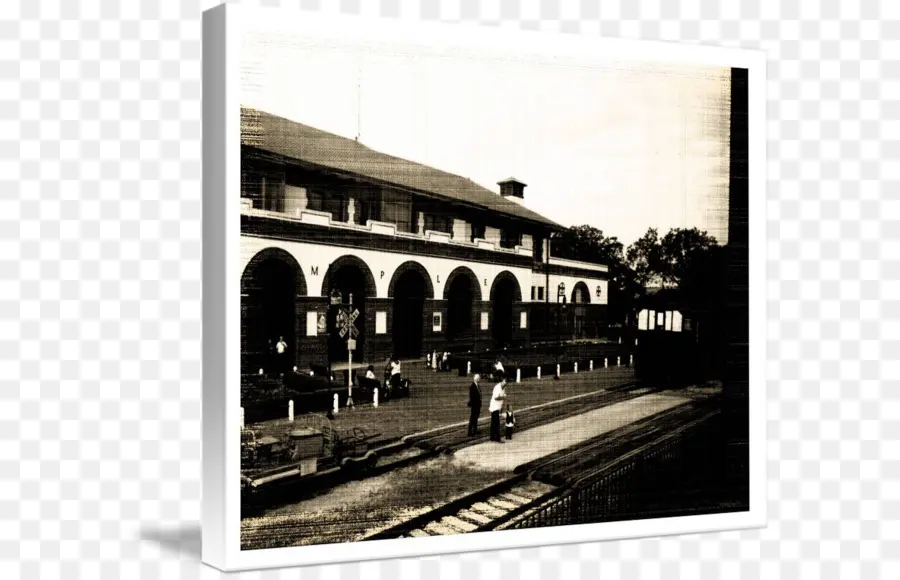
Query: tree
(645, 257)
(678, 251)
(588, 244)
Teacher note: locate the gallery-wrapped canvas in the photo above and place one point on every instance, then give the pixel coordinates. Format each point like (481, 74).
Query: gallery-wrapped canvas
(472, 288)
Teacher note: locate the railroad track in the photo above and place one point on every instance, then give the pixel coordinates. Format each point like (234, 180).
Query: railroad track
(441, 440)
(535, 483)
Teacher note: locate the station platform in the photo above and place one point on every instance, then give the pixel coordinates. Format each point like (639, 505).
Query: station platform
(547, 439)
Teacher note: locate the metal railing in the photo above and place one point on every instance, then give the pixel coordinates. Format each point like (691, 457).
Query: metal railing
(639, 482)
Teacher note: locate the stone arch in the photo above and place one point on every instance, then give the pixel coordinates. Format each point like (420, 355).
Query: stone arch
(501, 278)
(414, 266)
(582, 289)
(505, 291)
(272, 283)
(348, 260)
(463, 271)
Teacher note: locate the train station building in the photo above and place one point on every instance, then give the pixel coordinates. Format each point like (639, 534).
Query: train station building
(431, 260)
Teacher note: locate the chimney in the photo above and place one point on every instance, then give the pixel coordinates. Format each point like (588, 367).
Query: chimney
(512, 188)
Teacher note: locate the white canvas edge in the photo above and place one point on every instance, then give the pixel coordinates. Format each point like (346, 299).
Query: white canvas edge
(221, 293)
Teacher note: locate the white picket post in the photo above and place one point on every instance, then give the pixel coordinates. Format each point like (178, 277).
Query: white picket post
(618, 361)
(631, 360)
(468, 368)
(539, 373)
(518, 375)
(606, 362)
(576, 367)
(291, 411)
(375, 397)
(242, 418)
(591, 365)
(336, 407)
(557, 369)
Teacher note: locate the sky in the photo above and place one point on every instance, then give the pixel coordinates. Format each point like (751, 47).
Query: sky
(619, 146)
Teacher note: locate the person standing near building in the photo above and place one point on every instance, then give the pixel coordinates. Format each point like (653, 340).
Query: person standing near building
(497, 398)
(395, 375)
(474, 405)
(510, 422)
(281, 364)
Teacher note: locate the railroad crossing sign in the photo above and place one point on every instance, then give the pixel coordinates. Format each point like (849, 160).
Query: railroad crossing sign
(345, 321)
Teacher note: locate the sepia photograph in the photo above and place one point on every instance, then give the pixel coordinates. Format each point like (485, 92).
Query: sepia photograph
(483, 293)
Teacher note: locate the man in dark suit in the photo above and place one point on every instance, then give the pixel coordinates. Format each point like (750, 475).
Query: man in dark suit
(474, 405)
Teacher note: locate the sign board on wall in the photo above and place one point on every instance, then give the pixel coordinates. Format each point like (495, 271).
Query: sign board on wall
(436, 322)
(312, 319)
(484, 321)
(523, 319)
(381, 323)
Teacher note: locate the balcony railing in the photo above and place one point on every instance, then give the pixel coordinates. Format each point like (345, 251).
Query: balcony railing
(320, 218)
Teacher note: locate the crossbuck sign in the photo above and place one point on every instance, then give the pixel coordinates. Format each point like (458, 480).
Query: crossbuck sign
(345, 321)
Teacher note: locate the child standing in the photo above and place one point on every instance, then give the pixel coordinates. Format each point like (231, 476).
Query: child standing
(510, 422)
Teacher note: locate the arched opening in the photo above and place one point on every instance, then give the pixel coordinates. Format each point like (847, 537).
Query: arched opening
(504, 292)
(409, 301)
(461, 293)
(580, 294)
(349, 282)
(270, 285)
(409, 288)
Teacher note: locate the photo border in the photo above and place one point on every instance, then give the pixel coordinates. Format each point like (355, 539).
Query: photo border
(221, 509)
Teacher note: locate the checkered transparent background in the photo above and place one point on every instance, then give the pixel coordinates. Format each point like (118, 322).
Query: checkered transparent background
(100, 290)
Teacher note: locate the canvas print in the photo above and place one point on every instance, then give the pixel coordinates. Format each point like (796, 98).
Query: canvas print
(482, 294)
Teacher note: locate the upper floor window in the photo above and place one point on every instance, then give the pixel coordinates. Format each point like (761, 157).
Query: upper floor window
(266, 189)
(510, 238)
(538, 249)
(477, 232)
(439, 223)
(396, 209)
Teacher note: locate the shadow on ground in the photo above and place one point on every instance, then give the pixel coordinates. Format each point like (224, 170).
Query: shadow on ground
(182, 539)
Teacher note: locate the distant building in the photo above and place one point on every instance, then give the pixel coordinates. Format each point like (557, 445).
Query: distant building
(432, 260)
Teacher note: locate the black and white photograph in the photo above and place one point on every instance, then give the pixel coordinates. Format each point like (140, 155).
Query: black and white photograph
(483, 293)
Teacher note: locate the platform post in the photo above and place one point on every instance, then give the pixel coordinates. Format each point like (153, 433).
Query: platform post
(591, 367)
(576, 367)
(539, 373)
(336, 406)
(518, 375)
(291, 410)
(375, 397)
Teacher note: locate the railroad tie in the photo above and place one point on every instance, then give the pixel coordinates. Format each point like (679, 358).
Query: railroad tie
(460, 525)
(473, 516)
(500, 503)
(514, 498)
(487, 509)
(440, 529)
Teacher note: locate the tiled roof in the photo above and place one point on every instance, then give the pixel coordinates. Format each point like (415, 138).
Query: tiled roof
(297, 141)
